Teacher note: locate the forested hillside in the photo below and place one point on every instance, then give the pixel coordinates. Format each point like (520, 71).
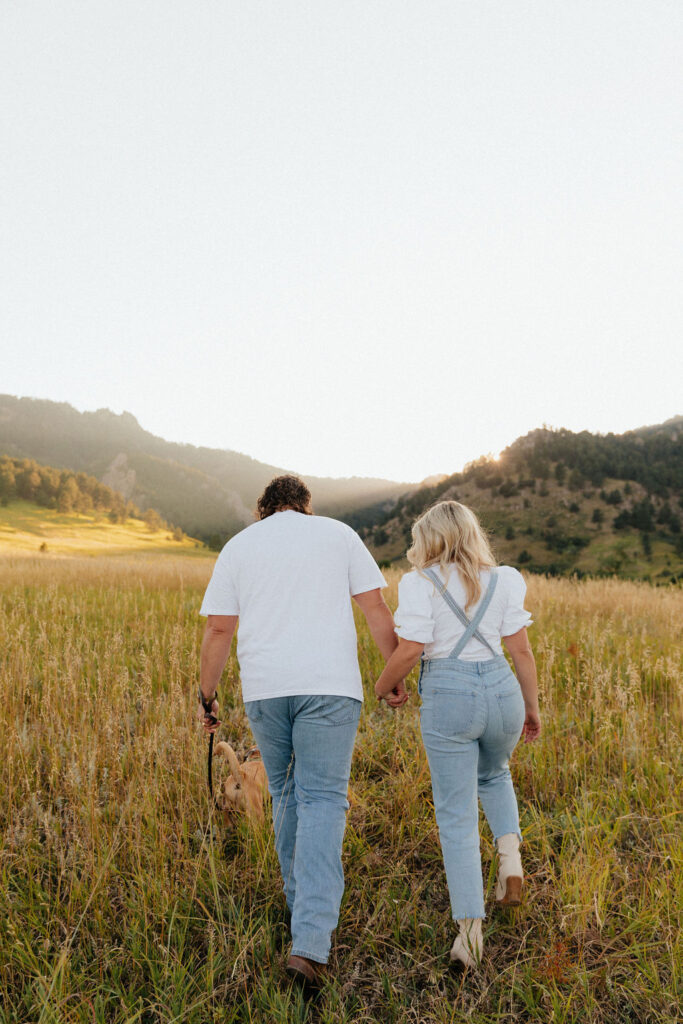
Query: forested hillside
(209, 492)
(46, 510)
(562, 502)
(64, 491)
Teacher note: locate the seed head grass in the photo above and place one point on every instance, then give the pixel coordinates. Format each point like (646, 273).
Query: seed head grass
(124, 898)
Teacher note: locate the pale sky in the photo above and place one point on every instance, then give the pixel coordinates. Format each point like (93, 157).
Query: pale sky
(374, 238)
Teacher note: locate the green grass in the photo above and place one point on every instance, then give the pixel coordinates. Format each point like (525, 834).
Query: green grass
(25, 526)
(122, 899)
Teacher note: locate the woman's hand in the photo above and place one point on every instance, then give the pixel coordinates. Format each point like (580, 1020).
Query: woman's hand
(397, 697)
(391, 686)
(205, 720)
(531, 729)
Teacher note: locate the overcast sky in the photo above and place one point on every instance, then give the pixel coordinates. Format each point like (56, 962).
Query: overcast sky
(376, 238)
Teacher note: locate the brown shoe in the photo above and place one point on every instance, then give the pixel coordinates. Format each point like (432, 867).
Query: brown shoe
(307, 973)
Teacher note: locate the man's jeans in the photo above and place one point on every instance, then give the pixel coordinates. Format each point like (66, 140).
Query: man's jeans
(472, 715)
(306, 744)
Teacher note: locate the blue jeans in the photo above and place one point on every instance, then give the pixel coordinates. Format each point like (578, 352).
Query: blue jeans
(306, 744)
(471, 718)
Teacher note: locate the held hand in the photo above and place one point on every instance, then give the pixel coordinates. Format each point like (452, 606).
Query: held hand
(205, 720)
(397, 697)
(531, 729)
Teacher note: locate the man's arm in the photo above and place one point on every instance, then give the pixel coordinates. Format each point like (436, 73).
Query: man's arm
(379, 619)
(214, 655)
(381, 624)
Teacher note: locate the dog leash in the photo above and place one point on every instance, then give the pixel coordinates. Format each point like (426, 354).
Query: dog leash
(210, 773)
(208, 705)
(209, 765)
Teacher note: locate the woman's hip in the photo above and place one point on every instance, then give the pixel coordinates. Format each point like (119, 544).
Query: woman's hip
(468, 705)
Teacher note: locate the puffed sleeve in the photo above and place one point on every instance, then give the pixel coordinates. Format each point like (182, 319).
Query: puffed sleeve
(515, 616)
(413, 618)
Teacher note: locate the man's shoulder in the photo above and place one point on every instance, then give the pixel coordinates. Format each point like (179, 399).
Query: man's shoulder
(242, 539)
(325, 524)
(253, 533)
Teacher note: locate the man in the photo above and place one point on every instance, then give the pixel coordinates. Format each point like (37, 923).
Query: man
(288, 578)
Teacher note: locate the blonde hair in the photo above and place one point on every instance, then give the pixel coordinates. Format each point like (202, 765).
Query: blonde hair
(450, 534)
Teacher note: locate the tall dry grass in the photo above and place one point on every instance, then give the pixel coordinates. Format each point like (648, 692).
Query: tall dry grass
(121, 899)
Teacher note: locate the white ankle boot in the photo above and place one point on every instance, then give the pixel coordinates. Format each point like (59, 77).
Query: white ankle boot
(469, 942)
(510, 875)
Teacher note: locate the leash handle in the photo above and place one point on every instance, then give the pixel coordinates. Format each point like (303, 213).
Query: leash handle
(207, 704)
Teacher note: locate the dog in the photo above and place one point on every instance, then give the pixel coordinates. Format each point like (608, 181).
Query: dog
(245, 789)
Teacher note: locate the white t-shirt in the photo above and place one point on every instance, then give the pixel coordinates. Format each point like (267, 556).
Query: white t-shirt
(423, 615)
(290, 579)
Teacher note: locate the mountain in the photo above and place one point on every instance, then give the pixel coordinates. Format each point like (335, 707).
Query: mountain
(562, 502)
(208, 492)
(554, 501)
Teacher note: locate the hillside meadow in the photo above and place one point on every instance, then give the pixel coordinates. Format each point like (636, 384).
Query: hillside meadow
(27, 527)
(123, 899)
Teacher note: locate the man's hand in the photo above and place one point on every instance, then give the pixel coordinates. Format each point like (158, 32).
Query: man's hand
(397, 697)
(206, 720)
(391, 685)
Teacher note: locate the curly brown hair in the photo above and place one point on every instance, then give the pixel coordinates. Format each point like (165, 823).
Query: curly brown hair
(284, 492)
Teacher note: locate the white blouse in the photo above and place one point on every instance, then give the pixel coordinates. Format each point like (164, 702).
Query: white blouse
(423, 615)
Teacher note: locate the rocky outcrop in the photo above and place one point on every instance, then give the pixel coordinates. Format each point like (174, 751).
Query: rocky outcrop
(120, 476)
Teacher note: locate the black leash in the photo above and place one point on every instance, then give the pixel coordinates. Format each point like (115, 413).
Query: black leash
(210, 772)
(212, 720)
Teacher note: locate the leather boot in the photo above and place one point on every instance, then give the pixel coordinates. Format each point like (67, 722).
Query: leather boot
(469, 942)
(510, 874)
(309, 974)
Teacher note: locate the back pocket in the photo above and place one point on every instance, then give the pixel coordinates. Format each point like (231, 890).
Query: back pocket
(511, 711)
(452, 712)
(337, 710)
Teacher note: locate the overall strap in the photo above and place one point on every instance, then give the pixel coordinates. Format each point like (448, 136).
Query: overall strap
(471, 626)
(455, 607)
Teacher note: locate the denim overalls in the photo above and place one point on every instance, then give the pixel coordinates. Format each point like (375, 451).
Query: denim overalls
(471, 718)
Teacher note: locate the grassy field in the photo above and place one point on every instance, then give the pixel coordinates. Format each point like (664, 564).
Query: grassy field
(25, 526)
(123, 900)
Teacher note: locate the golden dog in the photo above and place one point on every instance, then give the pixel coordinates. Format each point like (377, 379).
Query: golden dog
(245, 789)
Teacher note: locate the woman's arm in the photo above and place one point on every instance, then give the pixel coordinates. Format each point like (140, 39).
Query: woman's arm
(405, 657)
(525, 666)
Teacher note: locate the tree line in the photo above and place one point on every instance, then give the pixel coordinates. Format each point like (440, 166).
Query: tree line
(67, 491)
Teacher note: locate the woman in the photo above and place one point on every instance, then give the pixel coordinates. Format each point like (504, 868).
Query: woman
(454, 610)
